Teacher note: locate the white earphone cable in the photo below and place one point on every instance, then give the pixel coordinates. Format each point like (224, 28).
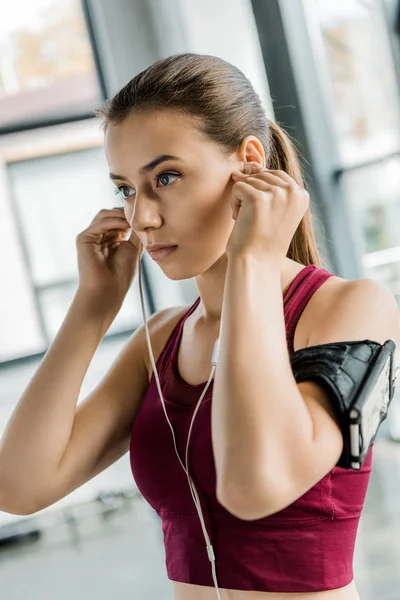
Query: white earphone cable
(210, 550)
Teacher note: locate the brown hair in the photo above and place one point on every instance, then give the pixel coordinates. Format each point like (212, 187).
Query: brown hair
(225, 108)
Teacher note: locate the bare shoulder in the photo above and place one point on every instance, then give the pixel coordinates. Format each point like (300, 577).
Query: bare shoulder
(352, 309)
(316, 310)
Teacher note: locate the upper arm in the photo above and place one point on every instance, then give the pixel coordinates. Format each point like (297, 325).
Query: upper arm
(104, 419)
(357, 310)
(361, 309)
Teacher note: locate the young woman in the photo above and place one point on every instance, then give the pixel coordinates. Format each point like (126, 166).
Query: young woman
(213, 191)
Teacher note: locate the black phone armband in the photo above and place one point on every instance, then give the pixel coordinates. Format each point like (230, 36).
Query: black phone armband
(360, 380)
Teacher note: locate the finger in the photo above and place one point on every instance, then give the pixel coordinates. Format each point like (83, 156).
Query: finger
(135, 241)
(248, 169)
(258, 184)
(117, 212)
(114, 234)
(285, 177)
(272, 179)
(264, 175)
(251, 167)
(108, 223)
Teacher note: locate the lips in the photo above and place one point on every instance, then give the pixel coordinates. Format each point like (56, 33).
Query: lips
(159, 247)
(160, 251)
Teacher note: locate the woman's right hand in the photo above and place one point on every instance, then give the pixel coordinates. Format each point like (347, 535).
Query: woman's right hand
(106, 262)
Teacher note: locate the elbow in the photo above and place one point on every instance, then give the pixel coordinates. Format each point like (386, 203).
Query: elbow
(17, 504)
(16, 507)
(12, 508)
(17, 510)
(16, 495)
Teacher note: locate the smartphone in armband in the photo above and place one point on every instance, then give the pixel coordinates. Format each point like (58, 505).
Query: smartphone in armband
(359, 377)
(369, 409)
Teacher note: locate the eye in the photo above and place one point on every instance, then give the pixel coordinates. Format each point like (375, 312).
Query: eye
(163, 178)
(124, 191)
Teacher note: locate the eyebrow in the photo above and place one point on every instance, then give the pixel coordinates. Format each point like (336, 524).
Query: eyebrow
(150, 166)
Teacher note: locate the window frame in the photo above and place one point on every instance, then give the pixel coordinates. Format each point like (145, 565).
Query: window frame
(62, 119)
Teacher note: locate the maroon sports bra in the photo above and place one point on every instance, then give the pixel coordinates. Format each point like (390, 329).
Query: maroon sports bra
(307, 547)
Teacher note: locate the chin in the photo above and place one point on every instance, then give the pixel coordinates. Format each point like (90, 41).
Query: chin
(178, 272)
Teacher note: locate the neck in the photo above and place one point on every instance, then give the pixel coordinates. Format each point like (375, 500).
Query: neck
(211, 284)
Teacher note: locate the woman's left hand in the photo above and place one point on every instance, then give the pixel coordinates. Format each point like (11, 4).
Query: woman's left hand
(268, 207)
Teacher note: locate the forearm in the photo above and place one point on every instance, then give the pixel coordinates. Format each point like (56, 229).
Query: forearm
(258, 413)
(40, 426)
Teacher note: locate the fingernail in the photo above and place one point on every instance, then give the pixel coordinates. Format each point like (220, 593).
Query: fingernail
(247, 168)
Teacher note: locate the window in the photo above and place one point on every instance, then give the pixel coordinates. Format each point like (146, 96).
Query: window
(362, 77)
(56, 197)
(357, 72)
(374, 191)
(47, 69)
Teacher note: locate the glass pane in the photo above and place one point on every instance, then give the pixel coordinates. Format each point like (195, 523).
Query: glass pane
(46, 62)
(374, 194)
(20, 331)
(57, 197)
(362, 75)
(55, 303)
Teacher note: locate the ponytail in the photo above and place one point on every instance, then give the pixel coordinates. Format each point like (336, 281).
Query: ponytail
(283, 157)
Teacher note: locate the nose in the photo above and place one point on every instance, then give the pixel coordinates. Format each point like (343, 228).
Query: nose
(143, 214)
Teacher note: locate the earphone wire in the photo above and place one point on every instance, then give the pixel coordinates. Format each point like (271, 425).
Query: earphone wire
(196, 500)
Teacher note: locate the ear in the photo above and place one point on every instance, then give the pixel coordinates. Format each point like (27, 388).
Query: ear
(251, 150)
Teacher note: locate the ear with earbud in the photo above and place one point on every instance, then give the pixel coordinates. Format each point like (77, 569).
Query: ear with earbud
(249, 168)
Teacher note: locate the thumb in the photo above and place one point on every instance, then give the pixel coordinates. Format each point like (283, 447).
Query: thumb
(135, 241)
(130, 249)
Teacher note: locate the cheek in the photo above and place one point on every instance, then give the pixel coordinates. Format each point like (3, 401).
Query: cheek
(219, 205)
(213, 214)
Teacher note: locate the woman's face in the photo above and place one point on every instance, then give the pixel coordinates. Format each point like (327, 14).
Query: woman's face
(184, 201)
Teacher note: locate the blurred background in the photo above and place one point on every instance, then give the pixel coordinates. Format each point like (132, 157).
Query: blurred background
(329, 72)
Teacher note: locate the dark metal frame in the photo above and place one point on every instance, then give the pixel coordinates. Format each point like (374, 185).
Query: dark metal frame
(391, 10)
(95, 51)
(40, 123)
(339, 173)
